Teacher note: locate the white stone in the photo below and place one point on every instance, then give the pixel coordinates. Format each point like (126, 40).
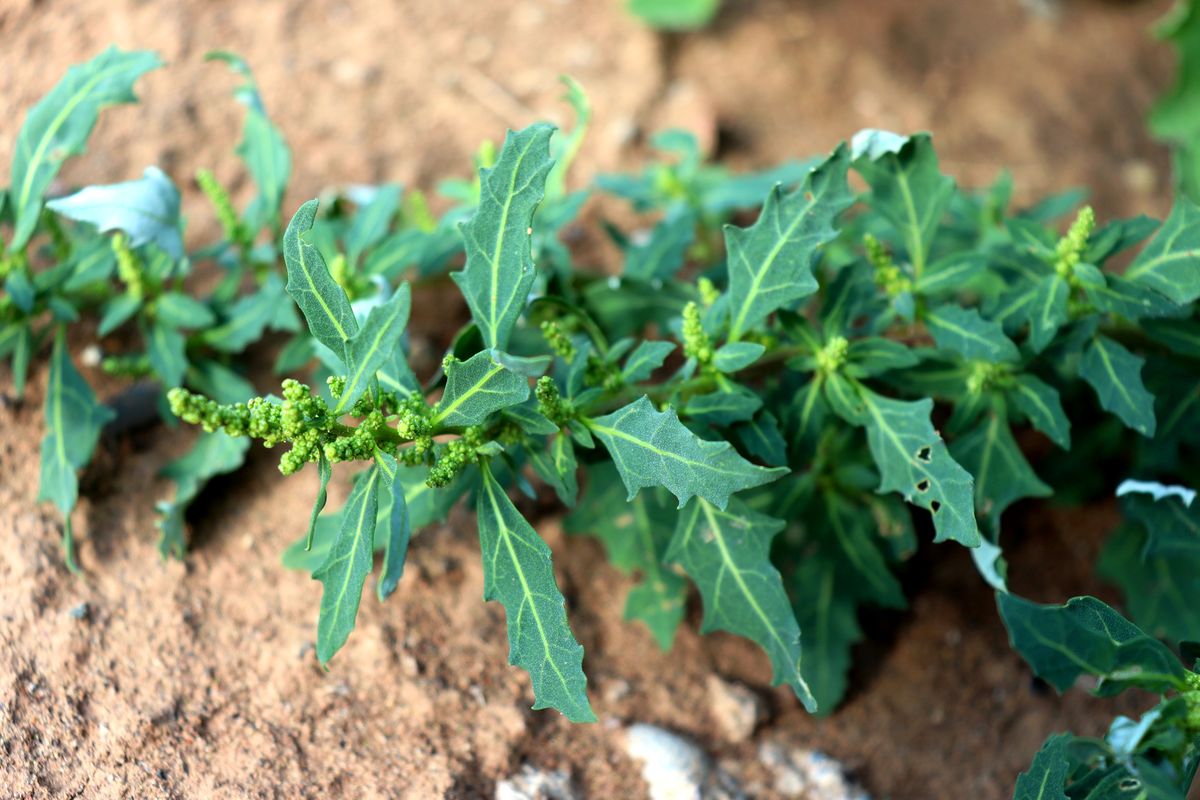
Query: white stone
(534, 784)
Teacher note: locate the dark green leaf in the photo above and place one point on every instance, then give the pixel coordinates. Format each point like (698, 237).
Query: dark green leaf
(760, 437)
(1086, 637)
(180, 311)
(1116, 375)
(1002, 475)
(727, 554)
(517, 572)
(213, 454)
(770, 263)
(116, 312)
(967, 333)
(734, 356)
(398, 530)
(1047, 776)
(648, 356)
(499, 270)
(167, 350)
(1039, 403)
(1170, 264)
(736, 404)
(58, 127)
(371, 223)
(663, 252)
(653, 448)
(247, 318)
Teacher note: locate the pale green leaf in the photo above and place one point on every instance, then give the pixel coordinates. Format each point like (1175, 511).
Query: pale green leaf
(648, 356)
(247, 318)
(734, 404)
(324, 473)
(653, 448)
(59, 125)
(734, 356)
(674, 15)
(146, 209)
(1116, 375)
(770, 263)
(727, 554)
(1039, 403)
(370, 223)
(517, 571)
(499, 270)
(557, 467)
(324, 304)
(347, 565)
(1047, 311)
(476, 388)
(167, 350)
(664, 250)
(399, 526)
(180, 311)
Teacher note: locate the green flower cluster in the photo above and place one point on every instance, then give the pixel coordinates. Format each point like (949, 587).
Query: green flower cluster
(696, 343)
(129, 267)
(1070, 248)
(127, 366)
(223, 206)
(1192, 697)
(551, 404)
(560, 343)
(455, 456)
(888, 275)
(832, 356)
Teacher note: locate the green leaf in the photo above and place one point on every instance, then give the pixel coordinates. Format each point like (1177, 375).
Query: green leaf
(907, 188)
(875, 355)
(247, 318)
(214, 453)
(1048, 774)
(499, 269)
(664, 251)
(476, 388)
(735, 404)
(345, 570)
(1086, 637)
(324, 303)
(734, 356)
(116, 312)
(1047, 311)
(22, 354)
(674, 15)
(530, 419)
(262, 148)
(653, 448)
(180, 311)
(1161, 590)
(370, 224)
(146, 209)
(727, 554)
(167, 350)
(557, 467)
(59, 125)
(648, 356)
(966, 332)
(324, 473)
(760, 437)
(1116, 375)
(635, 538)
(1170, 264)
(1002, 475)
(1039, 403)
(73, 423)
(373, 345)
(914, 461)
(517, 571)
(399, 528)
(770, 263)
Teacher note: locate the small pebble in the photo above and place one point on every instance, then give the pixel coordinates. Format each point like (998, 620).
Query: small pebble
(734, 708)
(532, 783)
(79, 612)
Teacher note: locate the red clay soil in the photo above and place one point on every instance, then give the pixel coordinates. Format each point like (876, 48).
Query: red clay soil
(195, 680)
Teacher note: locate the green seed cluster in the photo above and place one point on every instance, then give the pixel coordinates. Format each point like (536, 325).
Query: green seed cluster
(986, 375)
(127, 366)
(599, 372)
(454, 457)
(551, 404)
(832, 356)
(129, 267)
(1071, 247)
(696, 343)
(223, 205)
(709, 293)
(560, 344)
(888, 275)
(1192, 697)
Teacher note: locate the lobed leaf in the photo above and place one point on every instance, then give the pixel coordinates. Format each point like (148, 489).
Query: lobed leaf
(770, 263)
(1170, 264)
(476, 388)
(323, 302)
(1116, 375)
(653, 448)
(726, 552)
(1049, 772)
(499, 272)
(518, 573)
(374, 345)
(147, 209)
(59, 125)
